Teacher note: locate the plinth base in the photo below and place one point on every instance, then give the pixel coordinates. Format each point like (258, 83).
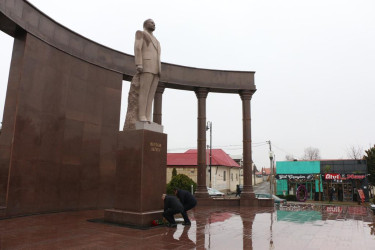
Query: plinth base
(248, 199)
(253, 202)
(2, 211)
(265, 203)
(142, 220)
(140, 178)
(202, 192)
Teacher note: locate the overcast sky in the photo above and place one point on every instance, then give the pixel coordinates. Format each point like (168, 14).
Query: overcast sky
(314, 63)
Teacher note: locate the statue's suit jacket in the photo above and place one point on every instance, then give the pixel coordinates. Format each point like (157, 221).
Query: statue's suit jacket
(147, 52)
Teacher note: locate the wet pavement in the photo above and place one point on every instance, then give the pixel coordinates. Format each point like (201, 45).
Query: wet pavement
(294, 226)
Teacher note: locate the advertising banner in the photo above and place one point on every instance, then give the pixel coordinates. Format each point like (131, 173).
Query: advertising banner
(301, 177)
(335, 177)
(355, 176)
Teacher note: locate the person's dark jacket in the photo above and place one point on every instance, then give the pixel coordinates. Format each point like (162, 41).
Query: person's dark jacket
(172, 203)
(186, 198)
(238, 189)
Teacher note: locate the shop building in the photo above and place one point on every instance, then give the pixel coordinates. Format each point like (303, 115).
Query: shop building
(340, 179)
(298, 176)
(345, 177)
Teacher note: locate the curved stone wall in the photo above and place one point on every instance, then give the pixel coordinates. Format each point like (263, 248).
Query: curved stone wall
(60, 125)
(20, 14)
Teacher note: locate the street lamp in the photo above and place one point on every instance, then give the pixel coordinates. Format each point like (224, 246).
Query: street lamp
(241, 171)
(207, 159)
(254, 168)
(271, 164)
(209, 127)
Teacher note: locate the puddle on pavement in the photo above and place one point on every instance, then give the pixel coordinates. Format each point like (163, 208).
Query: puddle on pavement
(285, 227)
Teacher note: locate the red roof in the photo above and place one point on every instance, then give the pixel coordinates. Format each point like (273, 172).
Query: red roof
(178, 159)
(189, 158)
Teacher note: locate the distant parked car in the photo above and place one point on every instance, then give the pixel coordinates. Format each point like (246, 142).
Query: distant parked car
(214, 192)
(268, 196)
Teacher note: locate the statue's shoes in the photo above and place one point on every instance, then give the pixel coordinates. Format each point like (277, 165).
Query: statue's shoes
(143, 119)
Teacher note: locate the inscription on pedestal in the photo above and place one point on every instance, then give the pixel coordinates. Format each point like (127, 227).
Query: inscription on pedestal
(155, 147)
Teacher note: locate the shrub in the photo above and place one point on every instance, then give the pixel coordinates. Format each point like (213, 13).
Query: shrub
(174, 172)
(180, 181)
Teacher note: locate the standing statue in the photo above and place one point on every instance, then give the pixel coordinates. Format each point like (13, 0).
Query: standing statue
(145, 81)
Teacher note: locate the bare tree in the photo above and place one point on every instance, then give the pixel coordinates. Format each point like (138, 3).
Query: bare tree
(289, 158)
(311, 154)
(355, 152)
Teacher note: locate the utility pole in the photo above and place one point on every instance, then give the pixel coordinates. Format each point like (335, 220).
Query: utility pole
(241, 170)
(209, 127)
(254, 168)
(207, 162)
(271, 165)
(274, 173)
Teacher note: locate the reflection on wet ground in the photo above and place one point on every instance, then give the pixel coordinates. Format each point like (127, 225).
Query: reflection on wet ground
(288, 227)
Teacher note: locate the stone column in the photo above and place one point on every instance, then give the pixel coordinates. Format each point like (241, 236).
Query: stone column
(201, 192)
(247, 192)
(158, 101)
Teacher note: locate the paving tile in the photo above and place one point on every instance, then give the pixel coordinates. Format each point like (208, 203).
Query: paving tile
(289, 227)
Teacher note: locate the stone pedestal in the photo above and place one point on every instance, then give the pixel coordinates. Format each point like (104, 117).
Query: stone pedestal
(253, 202)
(140, 178)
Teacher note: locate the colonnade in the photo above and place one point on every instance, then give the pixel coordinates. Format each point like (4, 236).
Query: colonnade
(201, 94)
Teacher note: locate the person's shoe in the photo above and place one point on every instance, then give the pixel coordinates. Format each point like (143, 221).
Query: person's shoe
(172, 225)
(186, 223)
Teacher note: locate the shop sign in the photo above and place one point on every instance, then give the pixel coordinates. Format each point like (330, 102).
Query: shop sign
(344, 177)
(294, 177)
(332, 176)
(355, 176)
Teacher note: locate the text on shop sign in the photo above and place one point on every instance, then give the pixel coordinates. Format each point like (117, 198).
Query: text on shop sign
(332, 176)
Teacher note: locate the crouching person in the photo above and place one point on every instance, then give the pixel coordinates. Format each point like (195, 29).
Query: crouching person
(172, 206)
(188, 202)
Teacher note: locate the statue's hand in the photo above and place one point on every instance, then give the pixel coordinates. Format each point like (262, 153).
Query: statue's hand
(139, 68)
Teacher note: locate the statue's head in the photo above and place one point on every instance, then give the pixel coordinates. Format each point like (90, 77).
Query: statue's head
(149, 25)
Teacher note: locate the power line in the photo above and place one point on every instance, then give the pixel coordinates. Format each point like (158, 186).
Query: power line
(228, 147)
(281, 149)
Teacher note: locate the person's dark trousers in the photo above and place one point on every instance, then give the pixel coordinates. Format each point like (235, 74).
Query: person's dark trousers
(169, 215)
(185, 216)
(187, 207)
